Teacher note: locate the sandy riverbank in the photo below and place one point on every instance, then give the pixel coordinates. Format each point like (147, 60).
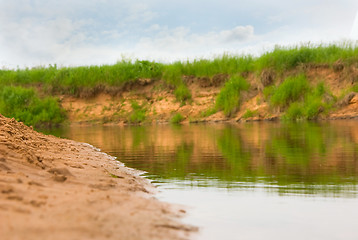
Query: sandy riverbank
(52, 188)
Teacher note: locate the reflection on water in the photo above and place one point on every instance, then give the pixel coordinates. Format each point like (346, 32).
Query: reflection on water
(248, 181)
(286, 158)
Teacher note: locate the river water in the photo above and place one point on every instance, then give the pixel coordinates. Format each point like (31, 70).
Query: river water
(246, 181)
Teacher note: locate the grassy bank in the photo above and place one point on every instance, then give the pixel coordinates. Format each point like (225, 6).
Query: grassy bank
(287, 86)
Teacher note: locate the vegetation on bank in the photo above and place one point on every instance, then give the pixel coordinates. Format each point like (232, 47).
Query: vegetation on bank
(295, 94)
(228, 99)
(26, 106)
(177, 119)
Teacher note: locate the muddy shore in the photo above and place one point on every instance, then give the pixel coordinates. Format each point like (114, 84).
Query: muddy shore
(53, 188)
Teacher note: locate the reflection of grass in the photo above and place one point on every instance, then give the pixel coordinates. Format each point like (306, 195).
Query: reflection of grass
(293, 158)
(231, 147)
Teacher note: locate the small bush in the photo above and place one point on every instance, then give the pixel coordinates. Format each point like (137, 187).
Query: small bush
(228, 99)
(138, 113)
(355, 88)
(182, 93)
(25, 106)
(311, 106)
(208, 112)
(249, 114)
(177, 118)
(268, 91)
(294, 112)
(291, 90)
(173, 74)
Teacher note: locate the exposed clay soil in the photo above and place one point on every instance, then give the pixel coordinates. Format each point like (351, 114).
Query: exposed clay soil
(160, 103)
(52, 188)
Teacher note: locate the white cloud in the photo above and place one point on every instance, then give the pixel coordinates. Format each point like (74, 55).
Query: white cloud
(100, 31)
(354, 31)
(182, 39)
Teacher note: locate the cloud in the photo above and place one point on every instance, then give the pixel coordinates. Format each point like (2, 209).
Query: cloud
(238, 34)
(354, 31)
(77, 32)
(182, 39)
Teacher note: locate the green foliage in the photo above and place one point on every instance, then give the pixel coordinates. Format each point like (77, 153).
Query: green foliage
(172, 74)
(249, 114)
(138, 113)
(223, 64)
(208, 112)
(286, 58)
(182, 93)
(355, 88)
(311, 106)
(291, 90)
(25, 106)
(228, 99)
(295, 111)
(177, 118)
(268, 91)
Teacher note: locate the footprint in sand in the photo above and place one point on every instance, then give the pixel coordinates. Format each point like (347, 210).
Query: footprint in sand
(60, 174)
(4, 167)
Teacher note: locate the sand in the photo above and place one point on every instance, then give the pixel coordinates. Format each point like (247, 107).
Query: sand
(53, 188)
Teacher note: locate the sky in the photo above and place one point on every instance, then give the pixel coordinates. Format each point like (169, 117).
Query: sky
(96, 32)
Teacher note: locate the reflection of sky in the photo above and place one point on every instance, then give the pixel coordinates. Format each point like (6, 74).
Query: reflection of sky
(259, 215)
(102, 31)
(253, 210)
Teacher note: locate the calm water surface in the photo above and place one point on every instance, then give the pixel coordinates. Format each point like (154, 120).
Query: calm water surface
(247, 181)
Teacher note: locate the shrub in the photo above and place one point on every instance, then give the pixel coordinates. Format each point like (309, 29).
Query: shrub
(25, 106)
(294, 112)
(177, 118)
(138, 113)
(228, 99)
(249, 114)
(355, 88)
(208, 112)
(182, 93)
(268, 91)
(291, 90)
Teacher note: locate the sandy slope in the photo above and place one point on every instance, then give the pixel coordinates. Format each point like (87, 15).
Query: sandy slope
(52, 188)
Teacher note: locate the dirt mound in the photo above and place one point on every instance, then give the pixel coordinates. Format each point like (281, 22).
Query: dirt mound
(53, 188)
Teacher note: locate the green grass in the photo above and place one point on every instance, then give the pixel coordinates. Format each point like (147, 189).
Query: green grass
(311, 105)
(355, 88)
(25, 105)
(177, 118)
(249, 113)
(138, 113)
(286, 58)
(279, 59)
(182, 93)
(291, 90)
(78, 81)
(228, 99)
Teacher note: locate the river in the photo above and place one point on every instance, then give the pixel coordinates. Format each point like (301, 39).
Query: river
(262, 180)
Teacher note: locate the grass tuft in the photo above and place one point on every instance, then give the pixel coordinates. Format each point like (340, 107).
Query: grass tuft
(291, 90)
(228, 99)
(138, 113)
(177, 118)
(249, 114)
(182, 93)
